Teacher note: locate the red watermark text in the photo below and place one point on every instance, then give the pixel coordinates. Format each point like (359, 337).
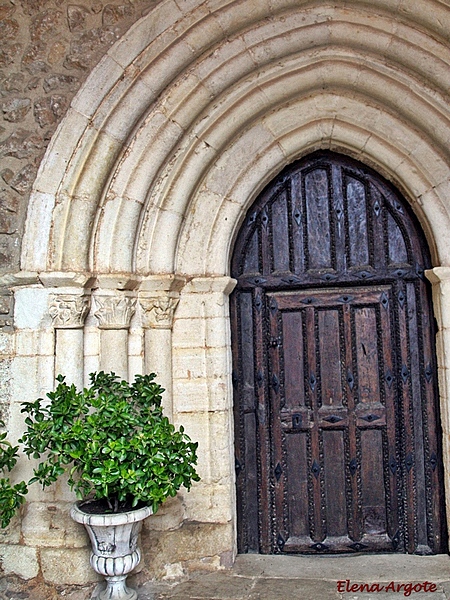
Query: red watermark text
(402, 588)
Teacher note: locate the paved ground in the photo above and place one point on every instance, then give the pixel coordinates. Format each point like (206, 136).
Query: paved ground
(316, 578)
(387, 577)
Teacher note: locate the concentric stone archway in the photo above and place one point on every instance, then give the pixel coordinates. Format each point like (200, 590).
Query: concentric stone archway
(148, 178)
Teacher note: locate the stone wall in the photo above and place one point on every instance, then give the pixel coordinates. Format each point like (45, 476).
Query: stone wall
(47, 50)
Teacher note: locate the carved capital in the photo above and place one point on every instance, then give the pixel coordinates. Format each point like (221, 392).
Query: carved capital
(114, 311)
(158, 310)
(68, 311)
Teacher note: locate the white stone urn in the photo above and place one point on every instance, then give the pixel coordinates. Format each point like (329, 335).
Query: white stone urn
(115, 552)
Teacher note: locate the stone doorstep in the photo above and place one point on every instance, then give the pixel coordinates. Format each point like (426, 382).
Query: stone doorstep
(255, 577)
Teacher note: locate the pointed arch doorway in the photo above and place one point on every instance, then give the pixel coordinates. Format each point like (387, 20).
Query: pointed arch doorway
(335, 393)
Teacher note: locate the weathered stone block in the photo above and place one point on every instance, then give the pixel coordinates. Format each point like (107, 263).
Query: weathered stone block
(5, 304)
(9, 29)
(169, 515)
(113, 14)
(44, 25)
(59, 81)
(23, 180)
(34, 59)
(21, 144)
(211, 503)
(19, 560)
(50, 525)
(193, 542)
(76, 17)
(47, 111)
(77, 570)
(16, 109)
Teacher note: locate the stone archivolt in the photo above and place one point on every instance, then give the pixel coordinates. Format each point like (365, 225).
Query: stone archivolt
(200, 116)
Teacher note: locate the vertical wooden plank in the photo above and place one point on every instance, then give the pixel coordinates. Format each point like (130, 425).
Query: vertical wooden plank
(373, 497)
(353, 467)
(367, 353)
(298, 223)
(356, 213)
(407, 441)
(262, 421)
(418, 425)
(250, 262)
(377, 230)
(319, 234)
(340, 223)
(315, 452)
(398, 254)
(334, 483)
(278, 473)
(294, 376)
(330, 359)
(297, 484)
(280, 234)
(389, 393)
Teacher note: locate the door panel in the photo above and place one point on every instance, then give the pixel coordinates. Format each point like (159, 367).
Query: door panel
(338, 406)
(336, 415)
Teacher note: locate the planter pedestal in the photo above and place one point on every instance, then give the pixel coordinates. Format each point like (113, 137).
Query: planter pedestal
(115, 552)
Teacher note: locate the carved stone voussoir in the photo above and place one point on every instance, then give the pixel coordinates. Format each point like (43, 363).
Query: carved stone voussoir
(114, 312)
(68, 311)
(158, 311)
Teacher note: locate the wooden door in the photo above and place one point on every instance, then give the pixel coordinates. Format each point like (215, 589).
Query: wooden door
(336, 413)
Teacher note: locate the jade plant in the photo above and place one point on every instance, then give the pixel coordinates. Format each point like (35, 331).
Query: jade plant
(11, 495)
(113, 441)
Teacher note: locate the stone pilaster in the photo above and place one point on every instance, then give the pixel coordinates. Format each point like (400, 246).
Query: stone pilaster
(440, 280)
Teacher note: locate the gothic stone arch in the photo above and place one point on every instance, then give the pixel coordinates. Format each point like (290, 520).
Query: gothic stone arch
(147, 180)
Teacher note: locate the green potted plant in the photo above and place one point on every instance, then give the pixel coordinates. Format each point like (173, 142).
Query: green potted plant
(123, 458)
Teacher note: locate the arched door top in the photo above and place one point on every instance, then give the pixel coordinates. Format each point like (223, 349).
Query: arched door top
(328, 219)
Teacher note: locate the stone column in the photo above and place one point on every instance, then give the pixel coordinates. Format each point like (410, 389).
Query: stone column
(440, 279)
(158, 298)
(68, 312)
(114, 310)
(68, 306)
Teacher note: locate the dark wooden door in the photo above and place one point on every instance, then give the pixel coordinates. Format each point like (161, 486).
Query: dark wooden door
(336, 412)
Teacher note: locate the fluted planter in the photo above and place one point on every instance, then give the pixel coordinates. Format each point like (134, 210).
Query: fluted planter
(115, 551)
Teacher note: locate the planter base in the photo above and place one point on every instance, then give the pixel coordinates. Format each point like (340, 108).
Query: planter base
(116, 589)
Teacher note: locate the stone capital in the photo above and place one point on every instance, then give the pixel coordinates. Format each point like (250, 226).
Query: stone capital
(158, 310)
(114, 311)
(68, 311)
